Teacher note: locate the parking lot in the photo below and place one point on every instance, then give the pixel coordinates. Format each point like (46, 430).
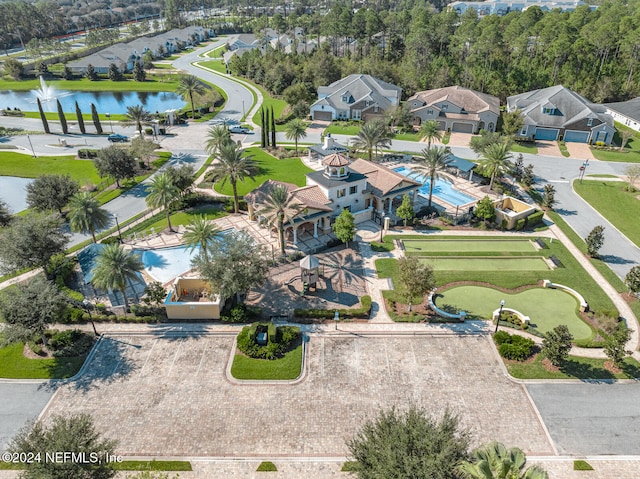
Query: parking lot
(170, 396)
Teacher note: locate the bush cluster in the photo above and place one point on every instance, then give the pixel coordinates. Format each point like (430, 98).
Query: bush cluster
(280, 340)
(71, 342)
(241, 314)
(514, 347)
(514, 319)
(535, 218)
(358, 313)
(87, 154)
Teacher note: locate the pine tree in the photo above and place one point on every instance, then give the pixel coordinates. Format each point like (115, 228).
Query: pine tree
(273, 129)
(96, 119)
(80, 119)
(43, 117)
(63, 119)
(263, 132)
(265, 127)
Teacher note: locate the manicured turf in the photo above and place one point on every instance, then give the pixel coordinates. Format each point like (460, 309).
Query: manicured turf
(291, 170)
(288, 367)
(25, 166)
(177, 219)
(631, 152)
(524, 148)
(268, 102)
(152, 466)
(14, 365)
(574, 368)
(343, 128)
(430, 246)
(216, 65)
(547, 308)
(614, 203)
(153, 83)
(466, 263)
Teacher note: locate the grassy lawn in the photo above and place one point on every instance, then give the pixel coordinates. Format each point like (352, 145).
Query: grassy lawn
(343, 128)
(547, 308)
(291, 170)
(497, 263)
(287, 367)
(631, 152)
(407, 137)
(216, 52)
(563, 149)
(268, 102)
(177, 219)
(153, 83)
(71, 117)
(216, 65)
(524, 148)
(14, 365)
(25, 166)
(614, 203)
(474, 245)
(152, 465)
(575, 368)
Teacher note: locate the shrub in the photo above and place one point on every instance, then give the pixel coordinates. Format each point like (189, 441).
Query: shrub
(520, 224)
(246, 341)
(272, 333)
(501, 337)
(110, 240)
(535, 218)
(362, 312)
(69, 343)
(516, 347)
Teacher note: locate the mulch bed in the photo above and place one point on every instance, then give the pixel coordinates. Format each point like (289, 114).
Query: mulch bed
(28, 353)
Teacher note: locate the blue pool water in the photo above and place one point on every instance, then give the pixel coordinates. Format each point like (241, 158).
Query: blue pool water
(442, 190)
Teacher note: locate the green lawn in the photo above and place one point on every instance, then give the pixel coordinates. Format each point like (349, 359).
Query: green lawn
(153, 83)
(14, 365)
(408, 137)
(631, 153)
(177, 219)
(563, 149)
(25, 166)
(287, 367)
(547, 308)
(428, 247)
(152, 465)
(343, 128)
(467, 263)
(291, 170)
(268, 102)
(216, 65)
(216, 52)
(575, 368)
(614, 203)
(524, 148)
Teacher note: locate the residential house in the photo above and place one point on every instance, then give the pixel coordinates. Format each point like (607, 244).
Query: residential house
(456, 109)
(355, 97)
(497, 7)
(369, 190)
(557, 113)
(626, 112)
(119, 54)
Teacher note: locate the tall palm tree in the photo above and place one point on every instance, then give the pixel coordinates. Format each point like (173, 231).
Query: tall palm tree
(295, 130)
(429, 131)
(85, 214)
(114, 268)
(216, 137)
(137, 116)
(162, 192)
(494, 461)
(495, 161)
(190, 85)
(233, 166)
(200, 233)
(432, 163)
(280, 208)
(373, 135)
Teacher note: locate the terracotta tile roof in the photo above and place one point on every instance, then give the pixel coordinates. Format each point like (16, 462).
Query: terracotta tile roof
(312, 197)
(261, 192)
(380, 178)
(335, 159)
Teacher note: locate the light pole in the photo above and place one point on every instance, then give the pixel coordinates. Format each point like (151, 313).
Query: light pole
(243, 113)
(499, 315)
(31, 144)
(118, 226)
(87, 306)
(108, 115)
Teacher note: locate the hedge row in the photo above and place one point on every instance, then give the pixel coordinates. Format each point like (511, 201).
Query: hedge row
(358, 313)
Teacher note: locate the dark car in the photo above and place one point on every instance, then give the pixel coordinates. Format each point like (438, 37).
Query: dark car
(117, 138)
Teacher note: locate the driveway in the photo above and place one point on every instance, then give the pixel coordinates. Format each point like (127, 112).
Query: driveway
(459, 139)
(580, 150)
(548, 148)
(168, 395)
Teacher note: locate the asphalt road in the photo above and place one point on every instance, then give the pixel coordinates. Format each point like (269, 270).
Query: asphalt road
(21, 402)
(589, 419)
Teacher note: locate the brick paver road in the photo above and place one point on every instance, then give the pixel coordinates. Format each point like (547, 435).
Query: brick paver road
(168, 396)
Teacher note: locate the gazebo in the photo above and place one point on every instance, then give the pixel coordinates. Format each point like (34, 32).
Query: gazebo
(309, 271)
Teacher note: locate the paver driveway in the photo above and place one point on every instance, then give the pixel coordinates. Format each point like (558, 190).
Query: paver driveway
(169, 395)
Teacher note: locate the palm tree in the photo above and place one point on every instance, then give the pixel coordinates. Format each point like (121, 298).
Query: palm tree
(280, 208)
(216, 137)
(137, 116)
(295, 130)
(85, 214)
(494, 161)
(233, 166)
(200, 232)
(162, 192)
(373, 135)
(494, 461)
(432, 163)
(429, 131)
(190, 85)
(114, 268)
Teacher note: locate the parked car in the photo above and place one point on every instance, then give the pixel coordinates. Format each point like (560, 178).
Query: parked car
(117, 138)
(240, 129)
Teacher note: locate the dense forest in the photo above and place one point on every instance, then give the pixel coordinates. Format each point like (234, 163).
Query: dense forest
(595, 53)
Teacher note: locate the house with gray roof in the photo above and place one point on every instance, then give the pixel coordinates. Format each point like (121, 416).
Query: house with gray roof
(120, 54)
(503, 7)
(557, 113)
(456, 109)
(626, 112)
(355, 97)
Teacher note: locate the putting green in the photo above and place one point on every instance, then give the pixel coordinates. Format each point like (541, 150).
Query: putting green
(547, 308)
(467, 245)
(500, 263)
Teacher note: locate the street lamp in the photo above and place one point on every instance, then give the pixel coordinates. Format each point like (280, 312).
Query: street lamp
(243, 113)
(118, 225)
(336, 318)
(87, 307)
(499, 315)
(108, 115)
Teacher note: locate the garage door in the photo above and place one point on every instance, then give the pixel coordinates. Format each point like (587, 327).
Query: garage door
(547, 134)
(462, 127)
(576, 136)
(442, 125)
(322, 115)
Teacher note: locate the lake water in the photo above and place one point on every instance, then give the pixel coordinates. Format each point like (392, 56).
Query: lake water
(105, 102)
(13, 192)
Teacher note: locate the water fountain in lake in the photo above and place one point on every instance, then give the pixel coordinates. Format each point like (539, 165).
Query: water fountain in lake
(45, 92)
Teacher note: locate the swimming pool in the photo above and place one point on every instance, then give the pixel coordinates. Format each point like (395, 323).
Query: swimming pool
(442, 190)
